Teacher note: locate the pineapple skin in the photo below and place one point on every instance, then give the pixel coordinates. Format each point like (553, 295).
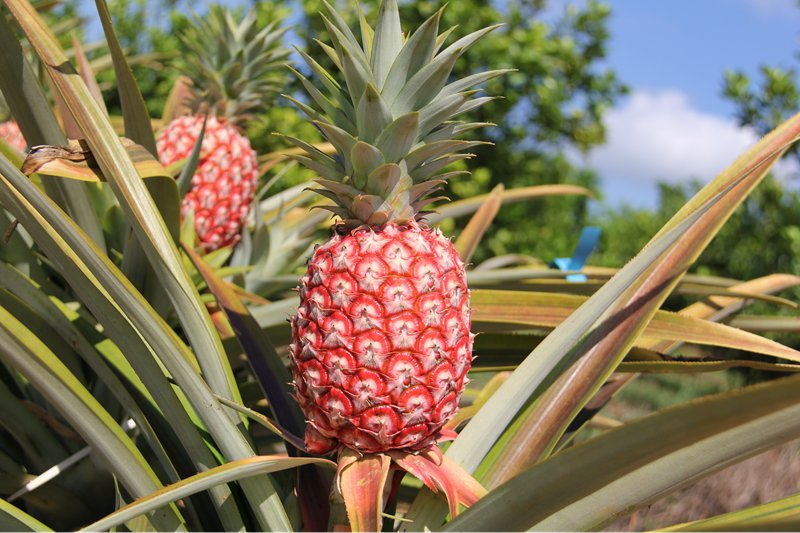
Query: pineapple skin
(381, 343)
(223, 186)
(11, 134)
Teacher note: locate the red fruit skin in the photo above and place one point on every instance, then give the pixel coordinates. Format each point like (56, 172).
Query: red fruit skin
(11, 134)
(381, 343)
(224, 183)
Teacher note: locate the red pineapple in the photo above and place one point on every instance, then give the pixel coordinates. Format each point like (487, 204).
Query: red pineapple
(381, 342)
(233, 71)
(11, 134)
(224, 181)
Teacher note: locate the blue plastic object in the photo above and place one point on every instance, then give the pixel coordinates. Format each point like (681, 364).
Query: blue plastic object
(590, 236)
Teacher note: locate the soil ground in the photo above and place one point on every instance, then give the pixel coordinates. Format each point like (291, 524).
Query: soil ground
(770, 476)
(773, 475)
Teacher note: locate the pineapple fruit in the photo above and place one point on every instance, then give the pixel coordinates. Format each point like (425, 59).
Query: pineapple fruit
(9, 129)
(11, 134)
(233, 71)
(381, 342)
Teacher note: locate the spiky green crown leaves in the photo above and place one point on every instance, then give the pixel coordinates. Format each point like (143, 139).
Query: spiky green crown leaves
(391, 115)
(234, 66)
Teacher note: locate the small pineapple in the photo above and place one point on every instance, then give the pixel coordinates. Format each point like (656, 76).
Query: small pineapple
(381, 342)
(232, 67)
(11, 134)
(9, 129)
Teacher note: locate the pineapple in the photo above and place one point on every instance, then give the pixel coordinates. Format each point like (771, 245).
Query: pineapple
(11, 134)
(232, 67)
(381, 342)
(9, 129)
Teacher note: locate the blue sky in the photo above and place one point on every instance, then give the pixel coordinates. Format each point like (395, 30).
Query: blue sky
(675, 125)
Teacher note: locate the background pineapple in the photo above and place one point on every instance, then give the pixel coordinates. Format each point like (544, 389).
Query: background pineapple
(11, 134)
(9, 129)
(234, 68)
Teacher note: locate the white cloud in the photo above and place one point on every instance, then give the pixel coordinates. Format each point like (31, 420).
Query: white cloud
(772, 8)
(659, 136)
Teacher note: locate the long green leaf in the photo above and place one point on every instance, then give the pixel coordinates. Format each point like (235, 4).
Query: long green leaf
(138, 127)
(127, 317)
(780, 515)
(134, 198)
(134, 110)
(233, 471)
(185, 178)
(764, 323)
(14, 519)
(692, 367)
(37, 121)
(25, 352)
(163, 255)
(550, 310)
(521, 194)
(471, 235)
(593, 483)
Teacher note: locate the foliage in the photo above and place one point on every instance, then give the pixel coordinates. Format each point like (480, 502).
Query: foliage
(118, 338)
(767, 104)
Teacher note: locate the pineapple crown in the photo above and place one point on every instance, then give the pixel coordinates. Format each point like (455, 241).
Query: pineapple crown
(233, 67)
(390, 116)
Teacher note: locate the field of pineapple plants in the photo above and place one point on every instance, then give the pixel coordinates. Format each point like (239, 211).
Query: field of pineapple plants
(197, 336)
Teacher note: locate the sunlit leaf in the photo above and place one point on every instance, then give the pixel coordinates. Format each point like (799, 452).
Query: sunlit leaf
(25, 352)
(521, 194)
(588, 485)
(233, 471)
(550, 310)
(471, 235)
(14, 519)
(780, 515)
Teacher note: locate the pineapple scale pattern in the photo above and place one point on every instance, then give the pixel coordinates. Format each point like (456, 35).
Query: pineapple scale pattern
(224, 182)
(381, 342)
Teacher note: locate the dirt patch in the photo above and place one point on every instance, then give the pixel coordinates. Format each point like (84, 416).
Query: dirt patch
(770, 476)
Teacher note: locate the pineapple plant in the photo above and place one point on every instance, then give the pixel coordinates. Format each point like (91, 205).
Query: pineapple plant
(381, 341)
(233, 69)
(83, 352)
